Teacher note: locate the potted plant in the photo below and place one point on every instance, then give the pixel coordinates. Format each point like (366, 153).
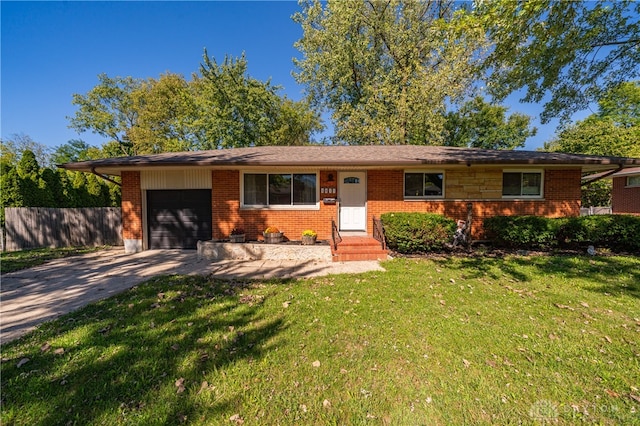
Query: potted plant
(309, 237)
(272, 235)
(237, 235)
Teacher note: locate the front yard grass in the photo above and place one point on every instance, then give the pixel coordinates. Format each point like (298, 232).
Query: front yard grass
(15, 260)
(519, 340)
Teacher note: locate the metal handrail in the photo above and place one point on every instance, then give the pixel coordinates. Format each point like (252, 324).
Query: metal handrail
(335, 235)
(378, 232)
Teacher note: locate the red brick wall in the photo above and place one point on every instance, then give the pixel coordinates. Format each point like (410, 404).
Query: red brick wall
(228, 215)
(561, 198)
(384, 193)
(625, 200)
(131, 206)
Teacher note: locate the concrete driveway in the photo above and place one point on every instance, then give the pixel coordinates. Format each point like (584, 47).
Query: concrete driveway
(32, 296)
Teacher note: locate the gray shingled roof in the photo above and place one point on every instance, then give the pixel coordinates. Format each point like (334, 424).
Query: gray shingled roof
(349, 156)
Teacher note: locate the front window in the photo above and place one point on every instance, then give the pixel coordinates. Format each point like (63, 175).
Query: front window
(633, 180)
(522, 184)
(279, 189)
(423, 185)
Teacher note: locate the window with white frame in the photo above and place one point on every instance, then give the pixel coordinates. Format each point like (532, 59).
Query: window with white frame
(633, 180)
(423, 185)
(522, 184)
(279, 189)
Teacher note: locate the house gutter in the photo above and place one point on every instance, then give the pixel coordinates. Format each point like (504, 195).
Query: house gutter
(602, 176)
(105, 177)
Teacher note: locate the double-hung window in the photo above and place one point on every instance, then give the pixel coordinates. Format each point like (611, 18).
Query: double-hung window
(522, 184)
(279, 189)
(423, 185)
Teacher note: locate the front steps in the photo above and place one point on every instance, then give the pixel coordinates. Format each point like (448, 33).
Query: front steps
(358, 248)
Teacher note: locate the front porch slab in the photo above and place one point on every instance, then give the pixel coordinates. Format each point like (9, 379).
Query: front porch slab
(221, 250)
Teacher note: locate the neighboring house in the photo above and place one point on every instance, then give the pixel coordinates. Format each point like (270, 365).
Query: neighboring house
(625, 195)
(171, 200)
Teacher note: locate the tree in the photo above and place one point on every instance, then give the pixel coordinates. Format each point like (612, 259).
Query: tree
(13, 147)
(387, 69)
(224, 107)
(109, 111)
(614, 130)
(166, 108)
(478, 124)
(237, 110)
(565, 54)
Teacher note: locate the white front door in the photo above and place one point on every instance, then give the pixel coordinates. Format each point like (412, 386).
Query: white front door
(352, 191)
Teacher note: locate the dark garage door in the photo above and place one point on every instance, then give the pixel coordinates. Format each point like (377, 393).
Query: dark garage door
(178, 218)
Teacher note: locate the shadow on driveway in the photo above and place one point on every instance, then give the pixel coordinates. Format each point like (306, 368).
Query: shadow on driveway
(42, 293)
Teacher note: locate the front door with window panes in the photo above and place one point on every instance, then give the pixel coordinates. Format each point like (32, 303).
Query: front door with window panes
(352, 190)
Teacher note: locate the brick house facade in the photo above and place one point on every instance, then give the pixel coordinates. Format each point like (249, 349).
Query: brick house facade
(625, 194)
(385, 176)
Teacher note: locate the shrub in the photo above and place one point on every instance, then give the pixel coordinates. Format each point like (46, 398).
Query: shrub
(271, 230)
(417, 232)
(522, 231)
(616, 232)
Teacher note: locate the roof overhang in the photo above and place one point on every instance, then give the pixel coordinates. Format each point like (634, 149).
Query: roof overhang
(350, 157)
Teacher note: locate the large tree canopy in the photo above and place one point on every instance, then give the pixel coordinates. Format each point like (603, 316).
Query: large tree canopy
(613, 130)
(565, 54)
(478, 124)
(387, 69)
(390, 70)
(222, 107)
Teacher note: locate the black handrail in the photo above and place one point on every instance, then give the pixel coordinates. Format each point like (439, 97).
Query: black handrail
(378, 232)
(335, 235)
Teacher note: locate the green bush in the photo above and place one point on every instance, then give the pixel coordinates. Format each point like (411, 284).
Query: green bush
(616, 232)
(417, 232)
(522, 231)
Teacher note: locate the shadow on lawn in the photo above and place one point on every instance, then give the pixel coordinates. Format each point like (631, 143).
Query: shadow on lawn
(614, 275)
(136, 347)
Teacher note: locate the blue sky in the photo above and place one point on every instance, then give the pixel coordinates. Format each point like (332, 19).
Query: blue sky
(51, 50)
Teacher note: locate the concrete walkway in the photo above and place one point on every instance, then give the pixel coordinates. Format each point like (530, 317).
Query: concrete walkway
(32, 296)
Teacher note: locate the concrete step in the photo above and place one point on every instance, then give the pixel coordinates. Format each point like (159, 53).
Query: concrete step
(358, 248)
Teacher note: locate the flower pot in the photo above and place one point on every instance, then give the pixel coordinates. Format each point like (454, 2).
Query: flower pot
(308, 240)
(273, 238)
(237, 238)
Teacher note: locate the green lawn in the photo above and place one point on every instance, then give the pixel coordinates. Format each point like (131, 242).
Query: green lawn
(520, 340)
(15, 260)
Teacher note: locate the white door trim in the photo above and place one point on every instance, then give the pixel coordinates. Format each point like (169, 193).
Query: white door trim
(352, 212)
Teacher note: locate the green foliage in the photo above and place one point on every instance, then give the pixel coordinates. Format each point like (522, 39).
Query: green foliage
(613, 130)
(478, 124)
(222, 108)
(522, 231)
(24, 183)
(565, 54)
(108, 110)
(387, 70)
(417, 232)
(597, 194)
(616, 232)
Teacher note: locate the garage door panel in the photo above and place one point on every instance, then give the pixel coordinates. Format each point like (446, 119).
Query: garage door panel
(178, 218)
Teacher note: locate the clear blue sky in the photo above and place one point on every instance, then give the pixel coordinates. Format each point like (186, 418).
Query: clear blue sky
(51, 50)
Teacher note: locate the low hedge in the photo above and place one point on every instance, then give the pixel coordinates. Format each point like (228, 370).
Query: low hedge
(417, 232)
(616, 232)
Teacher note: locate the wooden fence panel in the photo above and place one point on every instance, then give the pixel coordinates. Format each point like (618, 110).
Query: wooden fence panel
(33, 227)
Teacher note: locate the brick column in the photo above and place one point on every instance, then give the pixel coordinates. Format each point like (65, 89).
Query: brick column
(131, 212)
